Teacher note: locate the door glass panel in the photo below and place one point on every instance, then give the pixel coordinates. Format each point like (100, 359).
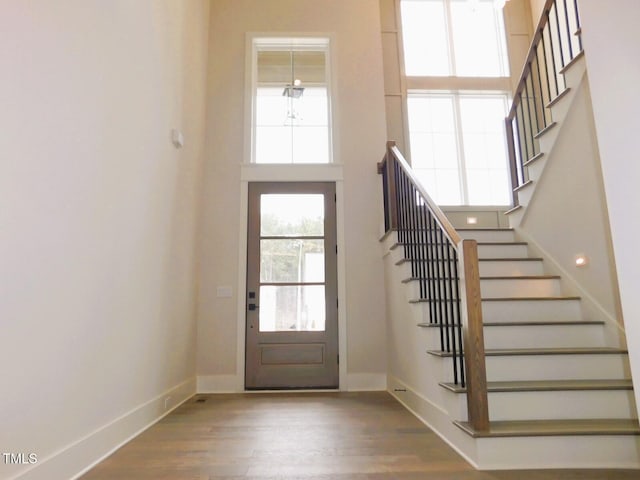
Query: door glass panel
(291, 260)
(292, 308)
(294, 215)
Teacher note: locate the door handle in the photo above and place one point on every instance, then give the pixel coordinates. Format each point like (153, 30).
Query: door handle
(253, 306)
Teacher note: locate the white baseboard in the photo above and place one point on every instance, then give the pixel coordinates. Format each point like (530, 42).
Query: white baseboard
(366, 382)
(435, 417)
(220, 384)
(77, 458)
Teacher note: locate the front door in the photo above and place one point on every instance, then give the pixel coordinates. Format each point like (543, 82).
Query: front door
(292, 301)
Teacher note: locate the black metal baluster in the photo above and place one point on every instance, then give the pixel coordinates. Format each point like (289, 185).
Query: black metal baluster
(449, 298)
(543, 108)
(578, 26)
(569, 35)
(522, 129)
(533, 99)
(560, 47)
(414, 231)
(546, 66)
(553, 52)
(431, 273)
(423, 253)
(442, 293)
(458, 316)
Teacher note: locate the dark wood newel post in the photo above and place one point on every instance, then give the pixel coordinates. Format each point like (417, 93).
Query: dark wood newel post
(391, 179)
(386, 168)
(473, 337)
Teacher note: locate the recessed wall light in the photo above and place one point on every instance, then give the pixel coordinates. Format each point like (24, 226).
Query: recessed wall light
(472, 220)
(581, 260)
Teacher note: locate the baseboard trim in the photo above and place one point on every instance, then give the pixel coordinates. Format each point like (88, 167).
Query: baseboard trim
(220, 384)
(435, 417)
(366, 382)
(75, 459)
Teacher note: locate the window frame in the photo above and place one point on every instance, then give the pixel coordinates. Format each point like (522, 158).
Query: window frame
(284, 42)
(505, 72)
(459, 136)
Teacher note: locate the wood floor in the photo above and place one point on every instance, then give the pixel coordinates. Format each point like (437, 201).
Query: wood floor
(328, 436)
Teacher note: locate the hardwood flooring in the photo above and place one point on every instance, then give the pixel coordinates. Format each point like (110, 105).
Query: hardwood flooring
(311, 436)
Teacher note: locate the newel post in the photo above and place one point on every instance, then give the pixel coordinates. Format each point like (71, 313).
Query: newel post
(386, 168)
(473, 336)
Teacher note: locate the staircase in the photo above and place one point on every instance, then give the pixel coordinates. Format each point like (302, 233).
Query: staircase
(557, 389)
(558, 394)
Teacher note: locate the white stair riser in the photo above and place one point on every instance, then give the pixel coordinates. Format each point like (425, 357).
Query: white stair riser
(506, 250)
(556, 367)
(531, 310)
(534, 336)
(502, 251)
(522, 288)
(547, 405)
(488, 235)
(530, 287)
(544, 336)
(488, 268)
(510, 268)
(583, 451)
(552, 405)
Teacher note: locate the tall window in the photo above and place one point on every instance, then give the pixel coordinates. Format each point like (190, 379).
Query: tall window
(457, 140)
(458, 147)
(453, 38)
(291, 108)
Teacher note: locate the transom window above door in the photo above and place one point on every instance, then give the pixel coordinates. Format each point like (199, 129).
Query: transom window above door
(291, 109)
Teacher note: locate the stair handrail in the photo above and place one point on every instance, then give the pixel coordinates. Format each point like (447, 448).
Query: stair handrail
(553, 47)
(446, 267)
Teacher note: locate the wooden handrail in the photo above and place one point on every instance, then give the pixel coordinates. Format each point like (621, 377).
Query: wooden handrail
(441, 218)
(541, 83)
(537, 36)
(465, 273)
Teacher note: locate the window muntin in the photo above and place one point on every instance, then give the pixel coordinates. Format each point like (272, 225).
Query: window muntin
(291, 102)
(458, 147)
(453, 38)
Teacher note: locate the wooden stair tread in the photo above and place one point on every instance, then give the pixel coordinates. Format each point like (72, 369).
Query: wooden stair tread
(485, 229)
(572, 62)
(548, 385)
(511, 259)
(500, 352)
(558, 97)
(506, 299)
(523, 186)
(542, 323)
(514, 209)
(501, 277)
(537, 428)
(545, 130)
(537, 156)
(402, 244)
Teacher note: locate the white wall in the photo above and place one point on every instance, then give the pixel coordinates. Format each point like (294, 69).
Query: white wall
(567, 214)
(360, 126)
(97, 221)
(536, 11)
(611, 38)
